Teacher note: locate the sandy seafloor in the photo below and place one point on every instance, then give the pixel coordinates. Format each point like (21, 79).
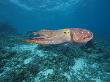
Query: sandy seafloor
(25, 62)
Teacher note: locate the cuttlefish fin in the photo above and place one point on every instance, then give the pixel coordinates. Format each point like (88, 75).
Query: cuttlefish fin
(42, 32)
(46, 33)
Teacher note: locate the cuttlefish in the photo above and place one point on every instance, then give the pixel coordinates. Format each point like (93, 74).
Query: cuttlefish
(75, 35)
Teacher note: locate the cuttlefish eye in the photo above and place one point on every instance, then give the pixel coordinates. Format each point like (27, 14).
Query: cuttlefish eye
(64, 32)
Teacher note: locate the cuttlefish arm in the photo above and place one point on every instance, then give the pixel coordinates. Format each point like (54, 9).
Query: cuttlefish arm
(55, 37)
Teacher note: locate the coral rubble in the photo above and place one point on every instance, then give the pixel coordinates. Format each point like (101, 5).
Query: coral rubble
(22, 62)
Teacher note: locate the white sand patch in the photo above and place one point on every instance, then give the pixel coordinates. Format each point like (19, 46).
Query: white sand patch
(31, 47)
(28, 60)
(40, 53)
(47, 72)
(97, 80)
(25, 47)
(67, 75)
(44, 73)
(79, 65)
(95, 65)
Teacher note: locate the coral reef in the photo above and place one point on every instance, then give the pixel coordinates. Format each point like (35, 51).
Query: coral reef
(22, 62)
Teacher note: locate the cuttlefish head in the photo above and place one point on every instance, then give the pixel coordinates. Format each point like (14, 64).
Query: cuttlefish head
(66, 34)
(81, 35)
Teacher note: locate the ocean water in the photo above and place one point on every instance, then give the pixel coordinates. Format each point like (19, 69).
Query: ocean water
(26, 62)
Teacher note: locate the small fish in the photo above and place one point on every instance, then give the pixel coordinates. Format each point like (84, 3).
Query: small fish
(75, 35)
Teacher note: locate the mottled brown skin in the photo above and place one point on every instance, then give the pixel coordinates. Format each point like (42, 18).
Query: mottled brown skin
(80, 35)
(76, 35)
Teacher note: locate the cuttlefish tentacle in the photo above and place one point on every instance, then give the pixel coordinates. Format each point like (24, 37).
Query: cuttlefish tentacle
(56, 37)
(44, 41)
(41, 41)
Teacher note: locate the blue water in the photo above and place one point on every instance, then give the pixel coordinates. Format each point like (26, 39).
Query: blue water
(31, 15)
(25, 62)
